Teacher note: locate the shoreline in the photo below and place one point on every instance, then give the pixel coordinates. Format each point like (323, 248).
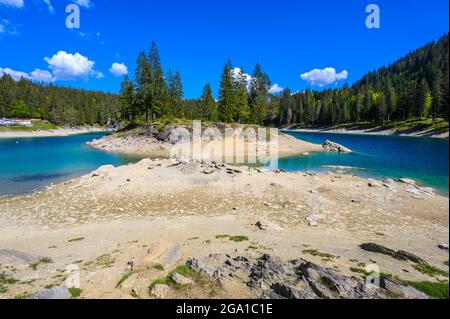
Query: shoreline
(133, 143)
(50, 133)
(164, 212)
(375, 132)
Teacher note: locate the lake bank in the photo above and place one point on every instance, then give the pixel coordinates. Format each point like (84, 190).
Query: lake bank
(141, 142)
(161, 212)
(5, 134)
(375, 131)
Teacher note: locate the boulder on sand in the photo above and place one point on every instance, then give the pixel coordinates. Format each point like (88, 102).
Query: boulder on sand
(335, 147)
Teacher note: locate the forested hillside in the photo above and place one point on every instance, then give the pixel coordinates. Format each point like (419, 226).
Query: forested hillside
(59, 105)
(415, 86)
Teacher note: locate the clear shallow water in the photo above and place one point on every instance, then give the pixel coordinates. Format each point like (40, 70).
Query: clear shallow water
(422, 159)
(28, 164)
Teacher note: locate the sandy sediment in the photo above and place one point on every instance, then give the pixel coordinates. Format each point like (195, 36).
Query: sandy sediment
(145, 219)
(50, 133)
(148, 145)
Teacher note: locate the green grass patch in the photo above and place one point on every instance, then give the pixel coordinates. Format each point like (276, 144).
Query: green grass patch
(45, 260)
(193, 238)
(183, 270)
(365, 273)
(76, 239)
(222, 236)
(6, 280)
(436, 290)
(158, 267)
(105, 260)
(123, 279)
(23, 295)
(75, 292)
(239, 238)
(446, 263)
(316, 253)
(37, 126)
(430, 270)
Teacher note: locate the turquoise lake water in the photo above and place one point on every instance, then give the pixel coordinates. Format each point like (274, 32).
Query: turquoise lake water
(422, 159)
(28, 164)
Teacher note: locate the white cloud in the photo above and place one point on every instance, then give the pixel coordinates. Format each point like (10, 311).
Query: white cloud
(49, 5)
(16, 75)
(84, 3)
(118, 69)
(275, 89)
(238, 76)
(66, 66)
(13, 3)
(37, 75)
(41, 76)
(321, 78)
(2, 28)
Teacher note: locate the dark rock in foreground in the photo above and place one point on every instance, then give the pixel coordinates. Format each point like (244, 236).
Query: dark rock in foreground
(272, 278)
(401, 255)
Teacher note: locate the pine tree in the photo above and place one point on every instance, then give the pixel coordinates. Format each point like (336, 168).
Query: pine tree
(227, 97)
(175, 88)
(422, 98)
(259, 91)
(242, 109)
(208, 105)
(436, 93)
(144, 80)
(160, 101)
(128, 110)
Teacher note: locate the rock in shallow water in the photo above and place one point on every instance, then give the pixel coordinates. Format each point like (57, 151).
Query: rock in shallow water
(335, 147)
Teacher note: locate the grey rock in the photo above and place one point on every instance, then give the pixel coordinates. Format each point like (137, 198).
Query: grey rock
(401, 290)
(160, 291)
(443, 246)
(14, 257)
(164, 136)
(335, 147)
(401, 254)
(181, 280)
(58, 293)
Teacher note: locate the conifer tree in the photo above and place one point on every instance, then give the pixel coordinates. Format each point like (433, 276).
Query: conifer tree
(227, 98)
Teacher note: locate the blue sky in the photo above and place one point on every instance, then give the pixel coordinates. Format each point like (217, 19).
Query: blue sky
(288, 37)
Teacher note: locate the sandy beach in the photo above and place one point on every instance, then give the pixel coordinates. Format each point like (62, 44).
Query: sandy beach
(425, 133)
(50, 133)
(141, 221)
(140, 143)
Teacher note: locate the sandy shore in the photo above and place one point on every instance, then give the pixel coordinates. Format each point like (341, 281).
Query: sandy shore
(425, 133)
(50, 133)
(155, 214)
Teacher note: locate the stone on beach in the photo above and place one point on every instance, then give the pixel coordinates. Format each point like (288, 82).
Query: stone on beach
(181, 280)
(314, 219)
(335, 147)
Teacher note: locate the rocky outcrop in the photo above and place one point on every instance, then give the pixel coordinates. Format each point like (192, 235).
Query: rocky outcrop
(57, 293)
(335, 147)
(13, 257)
(271, 278)
(401, 254)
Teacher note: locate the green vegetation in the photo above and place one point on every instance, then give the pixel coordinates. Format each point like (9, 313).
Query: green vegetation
(45, 260)
(222, 236)
(6, 280)
(76, 239)
(123, 279)
(24, 295)
(437, 290)
(184, 270)
(430, 270)
(158, 267)
(75, 292)
(58, 105)
(105, 260)
(37, 126)
(316, 253)
(239, 238)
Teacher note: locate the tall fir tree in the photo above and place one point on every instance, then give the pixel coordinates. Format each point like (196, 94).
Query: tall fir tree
(144, 80)
(208, 105)
(161, 100)
(259, 91)
(227, 97)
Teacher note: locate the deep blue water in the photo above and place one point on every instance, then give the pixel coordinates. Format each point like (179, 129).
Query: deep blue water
(422, 159)
(27, 164)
